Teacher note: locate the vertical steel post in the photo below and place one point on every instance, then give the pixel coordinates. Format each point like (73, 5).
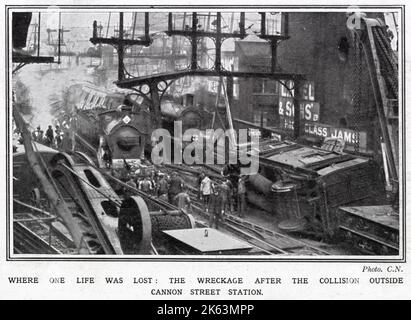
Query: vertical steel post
(263, 33)
(194, 43)
(120, 48)
(156, 104)
(94, 29)
(170, 22)
(38, 37)
(217, 63)
(50, 231)
(230, 89)
(59, 40)
(297, 116)
(134, 22)
(242, 24)
(284, 24)
(273, 44)
(108, 24)
(146, 26)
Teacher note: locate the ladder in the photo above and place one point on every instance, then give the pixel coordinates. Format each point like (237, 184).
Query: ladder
(382, 66)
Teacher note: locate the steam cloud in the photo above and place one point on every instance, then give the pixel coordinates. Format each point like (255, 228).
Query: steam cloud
(39, 87)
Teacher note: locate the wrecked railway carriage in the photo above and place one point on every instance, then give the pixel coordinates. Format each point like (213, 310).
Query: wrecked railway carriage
(306, 185)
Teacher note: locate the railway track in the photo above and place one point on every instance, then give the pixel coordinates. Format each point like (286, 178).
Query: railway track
(266, 240)
(283, 243)
(369, 244)
(28, 242)
(41, 229)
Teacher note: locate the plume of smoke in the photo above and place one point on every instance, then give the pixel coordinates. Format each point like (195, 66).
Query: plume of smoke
(23, 97)
(45, 90)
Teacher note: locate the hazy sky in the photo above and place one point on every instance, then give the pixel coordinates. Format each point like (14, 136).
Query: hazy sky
(80, 24)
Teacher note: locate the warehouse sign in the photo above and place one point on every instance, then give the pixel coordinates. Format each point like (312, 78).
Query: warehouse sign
(252, 132)
(327, 131)
(307, 90)
(309, 111)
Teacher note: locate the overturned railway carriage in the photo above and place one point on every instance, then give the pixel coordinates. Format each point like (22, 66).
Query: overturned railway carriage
(81, 187)
(109, 224)
(308, 185)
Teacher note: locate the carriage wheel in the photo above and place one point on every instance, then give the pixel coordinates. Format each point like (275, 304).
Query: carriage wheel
(134, 226)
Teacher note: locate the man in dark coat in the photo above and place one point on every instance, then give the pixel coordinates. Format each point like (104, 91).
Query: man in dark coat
(162, 186)
(241, 195)
(59, 136)
(226, 192)
(216, 207)
(49, 136)
(176, 186)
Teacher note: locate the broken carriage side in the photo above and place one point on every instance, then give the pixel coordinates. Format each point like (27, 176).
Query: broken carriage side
(310, 188)
(108, 224)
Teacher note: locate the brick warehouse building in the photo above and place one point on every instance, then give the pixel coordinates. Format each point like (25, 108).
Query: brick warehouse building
(319, 47)
(258, 95)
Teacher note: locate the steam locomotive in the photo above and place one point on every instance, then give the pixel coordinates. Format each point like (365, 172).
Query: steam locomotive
(118, 122)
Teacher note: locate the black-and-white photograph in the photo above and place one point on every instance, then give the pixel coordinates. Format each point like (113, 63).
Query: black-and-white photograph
(199, 132)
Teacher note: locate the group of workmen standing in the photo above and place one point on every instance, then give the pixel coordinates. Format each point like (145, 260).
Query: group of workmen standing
(153, 182)
(217, 199)
(52, 138)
